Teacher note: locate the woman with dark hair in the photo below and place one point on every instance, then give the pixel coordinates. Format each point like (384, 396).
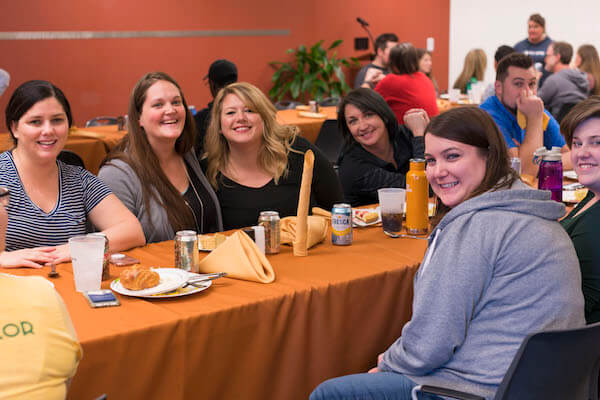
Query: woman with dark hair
(51, 201)
(581, 128)
(426, 66)
(406, 87)
(377, 150)
(498, 267)
(154, 170)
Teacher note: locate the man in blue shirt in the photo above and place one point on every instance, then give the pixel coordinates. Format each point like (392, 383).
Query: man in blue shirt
(515, 89)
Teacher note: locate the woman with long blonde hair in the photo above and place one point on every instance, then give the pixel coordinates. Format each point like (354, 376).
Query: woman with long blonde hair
(587, 60)
(255, 164)
(474, 67)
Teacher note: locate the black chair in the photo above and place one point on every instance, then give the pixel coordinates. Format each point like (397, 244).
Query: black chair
(330, 140)
(100, 121)
(287, 104)
(564, 110)
(330, 101)
(68, 157)
(550, 365)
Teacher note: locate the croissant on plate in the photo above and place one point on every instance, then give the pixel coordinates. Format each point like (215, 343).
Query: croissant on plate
(138, 278)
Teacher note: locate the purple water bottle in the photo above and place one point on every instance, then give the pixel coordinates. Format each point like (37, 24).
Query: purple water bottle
(551, 172)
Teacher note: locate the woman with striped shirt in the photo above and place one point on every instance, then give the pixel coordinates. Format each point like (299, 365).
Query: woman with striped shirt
(51, 201)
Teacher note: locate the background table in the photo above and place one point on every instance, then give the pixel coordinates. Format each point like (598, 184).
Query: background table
(309, 127)
(326, 315)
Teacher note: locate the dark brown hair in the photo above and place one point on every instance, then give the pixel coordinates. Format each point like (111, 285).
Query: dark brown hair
(538, 19)
(564, 50)
(404, 59)
(588, 108)
(518, 60)
(135, 150)
(475, 127)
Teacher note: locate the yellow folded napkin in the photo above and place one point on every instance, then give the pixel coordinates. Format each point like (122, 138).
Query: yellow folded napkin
(300, 239)
(240, 258)
(321, 212)
(522, 120)
(317, 230)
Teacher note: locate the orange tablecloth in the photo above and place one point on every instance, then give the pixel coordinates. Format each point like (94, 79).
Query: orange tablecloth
(309, 127)
(326, 315)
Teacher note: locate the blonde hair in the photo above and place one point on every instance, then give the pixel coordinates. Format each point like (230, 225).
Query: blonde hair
(475, 63)
(277, 138)
(590, 63)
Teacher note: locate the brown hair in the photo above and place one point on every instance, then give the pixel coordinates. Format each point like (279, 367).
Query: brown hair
(277, 138)
(135, 150)
(590, 63)
(588, 108)
(475, 127)
(538, 19)
(564, 50)
(404, 59)
(474, 67)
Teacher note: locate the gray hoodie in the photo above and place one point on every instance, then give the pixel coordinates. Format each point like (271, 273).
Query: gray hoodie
(567, 86)
(498, 267)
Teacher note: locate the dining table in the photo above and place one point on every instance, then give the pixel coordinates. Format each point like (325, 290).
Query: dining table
(309, 126)
(326, 314)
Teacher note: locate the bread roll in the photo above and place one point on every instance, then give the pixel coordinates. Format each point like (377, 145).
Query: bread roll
(138, 278)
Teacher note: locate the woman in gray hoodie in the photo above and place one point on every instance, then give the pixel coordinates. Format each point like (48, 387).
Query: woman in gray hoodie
(498, 267)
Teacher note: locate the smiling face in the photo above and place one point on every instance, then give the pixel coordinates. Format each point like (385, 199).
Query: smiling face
(367, 128)
(535, 32)
(163, 113)
(517, 80)
(42, 131)
(239, 124)
(585, 153)
(454, 169)
(425, 64)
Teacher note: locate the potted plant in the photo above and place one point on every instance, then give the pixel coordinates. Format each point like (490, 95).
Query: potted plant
(312, 75)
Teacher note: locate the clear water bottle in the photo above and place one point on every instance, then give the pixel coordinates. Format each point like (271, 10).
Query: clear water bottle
(551, 171)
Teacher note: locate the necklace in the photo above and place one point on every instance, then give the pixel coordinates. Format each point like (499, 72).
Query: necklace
(201, 230)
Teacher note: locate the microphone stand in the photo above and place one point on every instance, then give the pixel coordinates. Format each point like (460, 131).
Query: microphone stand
(365, 25)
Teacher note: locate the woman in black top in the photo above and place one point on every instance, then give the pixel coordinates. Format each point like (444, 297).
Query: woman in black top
(377, 150)
(255, 164)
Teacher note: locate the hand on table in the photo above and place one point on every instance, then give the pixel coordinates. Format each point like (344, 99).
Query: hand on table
(32, 258)
(376, 369)
(61, 254)
(416, 119)
(530, 105)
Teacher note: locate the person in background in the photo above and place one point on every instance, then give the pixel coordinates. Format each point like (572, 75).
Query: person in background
(4, 80)
(581, 128)
(501, 52)
(154, 170)
(377, 150)
(565, 86)
(516, 86)
(51, 201)
(406, 88)
(255, 164)
(473, 70)
(39, 347)
(372, 73)
(473, 300)
(535, 45)
(586, 60)
(220, 74)
(426, 67)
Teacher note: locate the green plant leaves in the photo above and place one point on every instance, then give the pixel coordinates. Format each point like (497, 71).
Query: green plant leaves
(312, 75)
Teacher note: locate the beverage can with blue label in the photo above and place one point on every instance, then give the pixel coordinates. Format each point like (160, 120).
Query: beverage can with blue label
(341, 224)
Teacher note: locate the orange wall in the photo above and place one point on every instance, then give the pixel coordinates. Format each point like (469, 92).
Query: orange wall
(97, 75)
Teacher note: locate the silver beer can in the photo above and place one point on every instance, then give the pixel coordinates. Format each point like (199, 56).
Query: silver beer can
(515, 163)
(186, 251)
(341, 224)
(270, 221)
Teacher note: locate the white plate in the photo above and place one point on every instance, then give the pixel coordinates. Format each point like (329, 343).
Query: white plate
(568, 196)
(182, 291)
(570, 174)
(170, 279)
(361, 223)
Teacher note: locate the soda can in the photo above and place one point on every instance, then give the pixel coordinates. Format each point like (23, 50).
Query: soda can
(106, 259)
(313, 106)
(186, 251)
(515, 163)
(271, 222)
(341, 224)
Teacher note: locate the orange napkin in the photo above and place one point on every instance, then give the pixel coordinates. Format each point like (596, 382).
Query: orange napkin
(317, 230)
(240, 258)
(321, 212)
(300, 239)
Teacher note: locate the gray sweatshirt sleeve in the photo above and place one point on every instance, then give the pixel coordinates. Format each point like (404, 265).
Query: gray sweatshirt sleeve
(124, 183)
(446, 293)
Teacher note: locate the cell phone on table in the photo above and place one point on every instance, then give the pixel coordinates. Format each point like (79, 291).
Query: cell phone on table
(122, 260)
(101, 298)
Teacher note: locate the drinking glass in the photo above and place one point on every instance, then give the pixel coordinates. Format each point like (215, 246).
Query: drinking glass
(87, 255)
(391, 203)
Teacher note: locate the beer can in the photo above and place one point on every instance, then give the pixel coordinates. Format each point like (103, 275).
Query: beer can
(106, 259)
(270, 221)
(515, 163)
(313, 106)
(186, 251)
(341, 224)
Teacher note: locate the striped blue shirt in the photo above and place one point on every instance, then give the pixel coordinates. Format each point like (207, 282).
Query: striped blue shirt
(28, 226)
